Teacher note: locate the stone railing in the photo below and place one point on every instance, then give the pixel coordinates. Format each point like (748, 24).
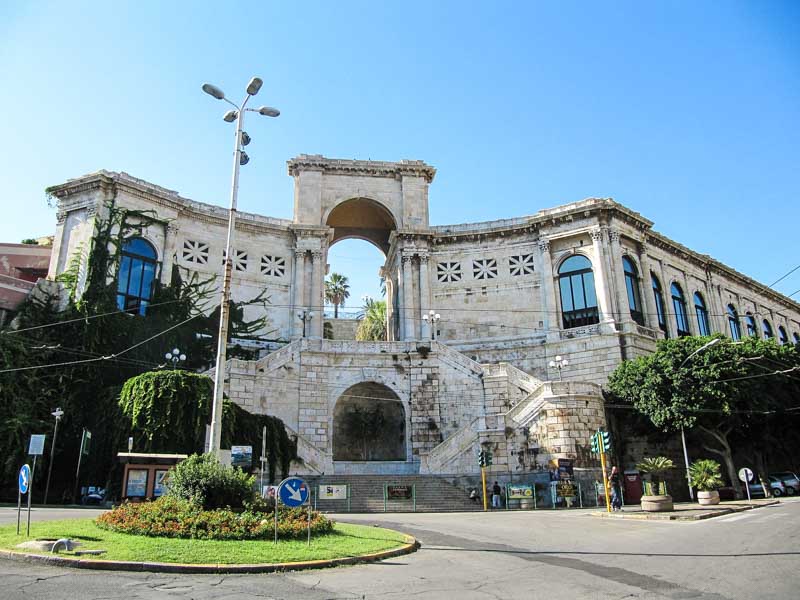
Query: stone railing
(451, 449)
(279, 357)
(527, 409)
(567, 334)
(454, 357)
(480, 226)
(313, 458)
(646, 331)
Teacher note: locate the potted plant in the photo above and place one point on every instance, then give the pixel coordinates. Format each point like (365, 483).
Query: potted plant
(706, 477)
(655, 498)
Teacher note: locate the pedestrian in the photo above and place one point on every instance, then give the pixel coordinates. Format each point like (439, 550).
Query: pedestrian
(473, 495)
(496, 495)
(616, 489)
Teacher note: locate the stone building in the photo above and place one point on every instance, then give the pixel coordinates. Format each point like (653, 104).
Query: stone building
(590, 280)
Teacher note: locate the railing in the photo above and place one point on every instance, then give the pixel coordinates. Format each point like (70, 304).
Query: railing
(450, 449)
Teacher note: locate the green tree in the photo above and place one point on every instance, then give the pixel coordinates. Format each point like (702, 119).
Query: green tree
(337, 290)
(373, 325)
(726, 392)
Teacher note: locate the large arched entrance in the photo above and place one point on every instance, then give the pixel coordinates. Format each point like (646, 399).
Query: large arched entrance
(369, 424)
(363, 219)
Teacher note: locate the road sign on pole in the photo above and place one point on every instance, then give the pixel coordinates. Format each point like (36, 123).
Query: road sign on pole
(293, 491)
(24, 484)
(36, 445)
(746, 476)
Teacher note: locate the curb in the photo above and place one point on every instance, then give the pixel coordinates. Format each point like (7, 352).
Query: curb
(678, 516)
(410, 545)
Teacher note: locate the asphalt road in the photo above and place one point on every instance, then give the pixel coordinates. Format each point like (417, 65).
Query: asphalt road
(544, 554)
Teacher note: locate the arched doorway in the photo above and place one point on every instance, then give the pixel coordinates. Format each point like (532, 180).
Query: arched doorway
(363, 219)
(369, 424)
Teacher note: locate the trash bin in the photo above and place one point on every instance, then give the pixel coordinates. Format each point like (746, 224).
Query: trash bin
(632, 491)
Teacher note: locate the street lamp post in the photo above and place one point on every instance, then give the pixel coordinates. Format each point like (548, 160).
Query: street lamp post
(305, 315)
(175, 357)
(559, 363)
(683, 434)
(57, 413)
(239, 158)
(432, 318)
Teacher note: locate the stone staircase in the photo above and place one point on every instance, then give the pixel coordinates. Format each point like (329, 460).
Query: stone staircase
(433, 494)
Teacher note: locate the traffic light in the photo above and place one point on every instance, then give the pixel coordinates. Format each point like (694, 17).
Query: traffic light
(606, 440)
(488, 459)
(595, 446)
(484, 459)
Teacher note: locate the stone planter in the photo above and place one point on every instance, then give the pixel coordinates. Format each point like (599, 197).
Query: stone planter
(708, 498)
(657, 503)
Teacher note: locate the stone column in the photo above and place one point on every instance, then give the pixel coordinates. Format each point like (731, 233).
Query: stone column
(317, 303)
(669, 309)
(550, 314)
(601, 279)
(299, 283)
(409, 328)
(170, 240)
(623, 312)
(424, 295)
(691, 314)
(646, 285)
(717, 317)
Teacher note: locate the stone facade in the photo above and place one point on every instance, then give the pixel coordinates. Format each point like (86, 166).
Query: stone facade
(509, 296)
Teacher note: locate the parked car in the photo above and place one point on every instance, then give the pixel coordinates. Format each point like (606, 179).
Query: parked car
(775, 485)
(790, 481)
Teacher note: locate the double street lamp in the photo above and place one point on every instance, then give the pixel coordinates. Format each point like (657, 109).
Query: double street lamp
(239, 158)
(433, 319)
(175, 357)
(305, 315)
(559, 363)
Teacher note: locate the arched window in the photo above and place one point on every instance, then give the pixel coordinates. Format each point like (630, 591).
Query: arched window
(782, 337)
(578, 297)
(750, 325)
(702, 314)
(733, 323)
(659, 296)
(679, 306)
(137, 269)
(767, 330)
(632, 285)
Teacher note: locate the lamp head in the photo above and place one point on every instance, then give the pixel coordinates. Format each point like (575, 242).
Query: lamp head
(268, 111)
(552, 364)
(243, 158)
(245, 138)
(213, 90)
(230, 116)
(254, 85)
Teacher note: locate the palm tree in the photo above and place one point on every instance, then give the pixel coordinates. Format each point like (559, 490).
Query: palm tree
(373, 325)
(336, 292)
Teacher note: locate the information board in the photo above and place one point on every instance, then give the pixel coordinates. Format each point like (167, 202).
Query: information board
(333, 492)
(399, 492)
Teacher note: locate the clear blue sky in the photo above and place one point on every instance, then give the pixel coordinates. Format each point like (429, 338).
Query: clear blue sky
(688, 112)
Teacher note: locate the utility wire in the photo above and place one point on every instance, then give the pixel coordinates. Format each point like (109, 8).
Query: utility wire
(784, 276)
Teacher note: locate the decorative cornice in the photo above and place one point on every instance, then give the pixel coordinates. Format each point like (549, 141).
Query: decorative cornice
(369, 168)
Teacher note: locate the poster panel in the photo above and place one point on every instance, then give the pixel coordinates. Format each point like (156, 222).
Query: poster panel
(519, 491)
(137, 483)
(160, 485)
(333, 492)
(242, 457)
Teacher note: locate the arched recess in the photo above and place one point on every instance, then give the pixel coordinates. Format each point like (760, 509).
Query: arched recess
(364, 219)
(369, 424)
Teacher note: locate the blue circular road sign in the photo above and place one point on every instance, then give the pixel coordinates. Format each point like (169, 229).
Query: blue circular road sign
(24, 479)
(293, 491)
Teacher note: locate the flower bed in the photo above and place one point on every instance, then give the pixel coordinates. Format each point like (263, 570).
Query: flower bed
(171, 517)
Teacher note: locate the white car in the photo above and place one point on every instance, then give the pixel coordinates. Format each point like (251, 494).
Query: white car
(790, 481)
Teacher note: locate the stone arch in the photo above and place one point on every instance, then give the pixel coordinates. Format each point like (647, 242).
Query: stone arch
(369, 424)
(362, 218)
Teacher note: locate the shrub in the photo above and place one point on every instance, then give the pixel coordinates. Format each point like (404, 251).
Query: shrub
(176, 518)
(202, 480)
(705, 475)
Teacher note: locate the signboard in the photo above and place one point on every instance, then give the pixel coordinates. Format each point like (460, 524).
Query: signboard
(24, 479)
(399, 492)
(293, 491)
(160, 485)
(242, 457)
(565, 470)
(332, 492)
(565, 489)
(137, 483)
(36, 445)
(86, 442)
(519, 491)
(745, 475)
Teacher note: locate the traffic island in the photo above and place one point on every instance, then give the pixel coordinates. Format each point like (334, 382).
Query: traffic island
(685, 511)
(346, 544)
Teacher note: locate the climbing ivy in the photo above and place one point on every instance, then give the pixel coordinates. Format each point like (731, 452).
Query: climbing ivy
(167, 411)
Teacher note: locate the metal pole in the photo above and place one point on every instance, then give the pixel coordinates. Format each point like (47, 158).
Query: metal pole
(483, 482)
(224, 309)
(686, 461)
(78, 470)
(19, 508)
(263, 458)
(30, 495)
(276, 517)
(605, 475)
(309, 520)
(50, 468)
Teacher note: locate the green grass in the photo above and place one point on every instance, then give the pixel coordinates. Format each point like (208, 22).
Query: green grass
(346, 540)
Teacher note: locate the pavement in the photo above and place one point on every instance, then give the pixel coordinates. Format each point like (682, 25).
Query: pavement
(498, 555)
(685, 511)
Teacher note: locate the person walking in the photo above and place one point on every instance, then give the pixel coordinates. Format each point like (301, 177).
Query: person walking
(616, 489)
(496, 495)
